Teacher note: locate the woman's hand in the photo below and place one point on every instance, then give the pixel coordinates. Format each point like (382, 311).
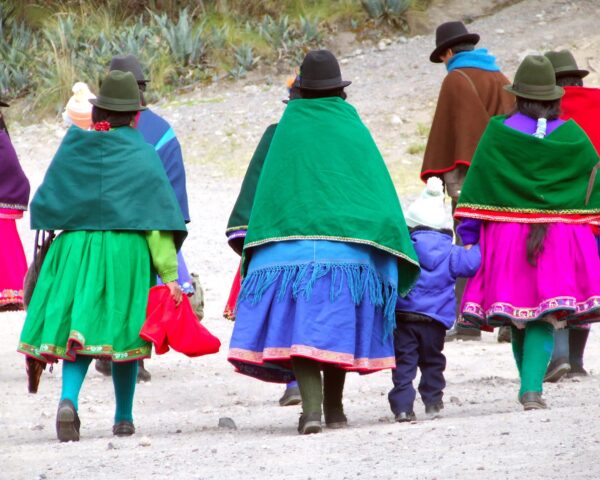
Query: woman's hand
(469, 247)
(175, 291)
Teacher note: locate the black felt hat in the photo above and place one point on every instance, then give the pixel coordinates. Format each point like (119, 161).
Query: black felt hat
(449, 34)
(565, 65)
(128, 63)
(320, 70)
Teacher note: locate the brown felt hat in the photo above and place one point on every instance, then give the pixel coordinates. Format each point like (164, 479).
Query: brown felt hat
(565, 65)
(449, 34)
(535, 80)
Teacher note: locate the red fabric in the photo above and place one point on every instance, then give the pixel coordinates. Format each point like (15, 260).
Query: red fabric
(229, 312)
(176, 327)
(582, 104)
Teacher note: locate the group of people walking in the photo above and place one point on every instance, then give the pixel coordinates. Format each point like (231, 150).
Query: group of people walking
(334, 277)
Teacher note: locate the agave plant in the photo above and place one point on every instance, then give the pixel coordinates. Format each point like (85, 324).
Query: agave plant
(185, 40)
(244, 57)
(389, 11)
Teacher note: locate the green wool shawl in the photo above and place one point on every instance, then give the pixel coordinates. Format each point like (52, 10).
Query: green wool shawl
(106, 181)
(515, 177)
(240, 215)
(324, 179)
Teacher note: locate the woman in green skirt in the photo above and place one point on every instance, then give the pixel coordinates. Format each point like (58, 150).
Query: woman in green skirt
(107, 192)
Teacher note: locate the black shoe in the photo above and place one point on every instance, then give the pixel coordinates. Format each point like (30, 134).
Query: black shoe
(461, 333)
(504, 334)
(403, 417)
(143, 374)
(533, 401)
(335, 418)
(123, 428)
(104, 366)
(291, 396)
(433, 410)
(556, 370)
(577, 371)
(310, 423)
(67, 422)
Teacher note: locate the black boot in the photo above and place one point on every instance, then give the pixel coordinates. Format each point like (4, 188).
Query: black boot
(577, 340)
(143, 374)
(333, 390)
(104, 366)
(461, 333)
(504, 334)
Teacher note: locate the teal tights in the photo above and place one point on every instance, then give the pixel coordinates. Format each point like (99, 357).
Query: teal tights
(124, 379)
(532, 348)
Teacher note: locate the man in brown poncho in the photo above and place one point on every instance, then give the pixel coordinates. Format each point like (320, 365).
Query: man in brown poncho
(471, 93)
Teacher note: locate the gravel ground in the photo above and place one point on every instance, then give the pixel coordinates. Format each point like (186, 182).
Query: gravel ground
(483, 432)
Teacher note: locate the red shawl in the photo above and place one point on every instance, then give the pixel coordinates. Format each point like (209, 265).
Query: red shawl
(582, 104)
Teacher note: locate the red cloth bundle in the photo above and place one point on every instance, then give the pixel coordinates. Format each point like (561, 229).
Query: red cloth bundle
(229, 312)
(177, 327)
(582, 104)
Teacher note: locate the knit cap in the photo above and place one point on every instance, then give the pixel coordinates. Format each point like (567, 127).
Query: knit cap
(79, 110)
(429, 210)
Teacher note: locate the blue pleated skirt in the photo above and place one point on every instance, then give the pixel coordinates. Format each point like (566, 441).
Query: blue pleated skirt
(328, 301)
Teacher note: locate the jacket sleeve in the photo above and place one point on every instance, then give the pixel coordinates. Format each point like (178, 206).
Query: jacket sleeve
(163, 253)
(463, 262)
(468, 230)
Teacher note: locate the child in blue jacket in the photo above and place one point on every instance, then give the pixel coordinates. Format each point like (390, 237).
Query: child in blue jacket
(423, 317)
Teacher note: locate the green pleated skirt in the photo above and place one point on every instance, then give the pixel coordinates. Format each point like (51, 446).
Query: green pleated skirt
(90, 298)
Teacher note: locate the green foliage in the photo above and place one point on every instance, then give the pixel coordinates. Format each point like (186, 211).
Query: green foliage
(46, 46)
(389, 11)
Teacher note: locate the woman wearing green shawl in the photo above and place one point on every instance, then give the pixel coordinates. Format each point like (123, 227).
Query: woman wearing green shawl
(531, 200)
(326, 252)
(108, 193)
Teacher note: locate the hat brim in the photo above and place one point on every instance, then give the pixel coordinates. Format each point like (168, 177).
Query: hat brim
(342, 84)
(441, 48)
(4, 104)
(572, 73)
(557, 92)
(111, 107)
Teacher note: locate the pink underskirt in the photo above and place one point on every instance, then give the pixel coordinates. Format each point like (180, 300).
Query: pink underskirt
(507, 289)
(13, 265)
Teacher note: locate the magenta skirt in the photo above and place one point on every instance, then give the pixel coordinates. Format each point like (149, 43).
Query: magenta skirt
(507, 289)
(13, 264)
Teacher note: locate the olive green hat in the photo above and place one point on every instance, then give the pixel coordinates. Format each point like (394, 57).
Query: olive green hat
(535, 80)
(565, 65)
(119, 93)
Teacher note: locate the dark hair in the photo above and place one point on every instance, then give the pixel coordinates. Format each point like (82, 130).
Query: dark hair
(462, 47)
(569, 81)
(535, 242)
(116, 119)
(549, 109)
(3, 124)
(142, 87)
(311, 94)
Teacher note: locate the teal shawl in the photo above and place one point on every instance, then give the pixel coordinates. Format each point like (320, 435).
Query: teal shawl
(324, 179)
(106, 181)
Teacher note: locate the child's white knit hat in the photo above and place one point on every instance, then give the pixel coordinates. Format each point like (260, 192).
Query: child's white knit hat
(79, 110)
(429, 210)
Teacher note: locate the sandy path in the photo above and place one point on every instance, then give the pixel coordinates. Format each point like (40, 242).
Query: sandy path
(483, 433)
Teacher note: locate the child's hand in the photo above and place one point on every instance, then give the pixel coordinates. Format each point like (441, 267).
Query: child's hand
(468, 247)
